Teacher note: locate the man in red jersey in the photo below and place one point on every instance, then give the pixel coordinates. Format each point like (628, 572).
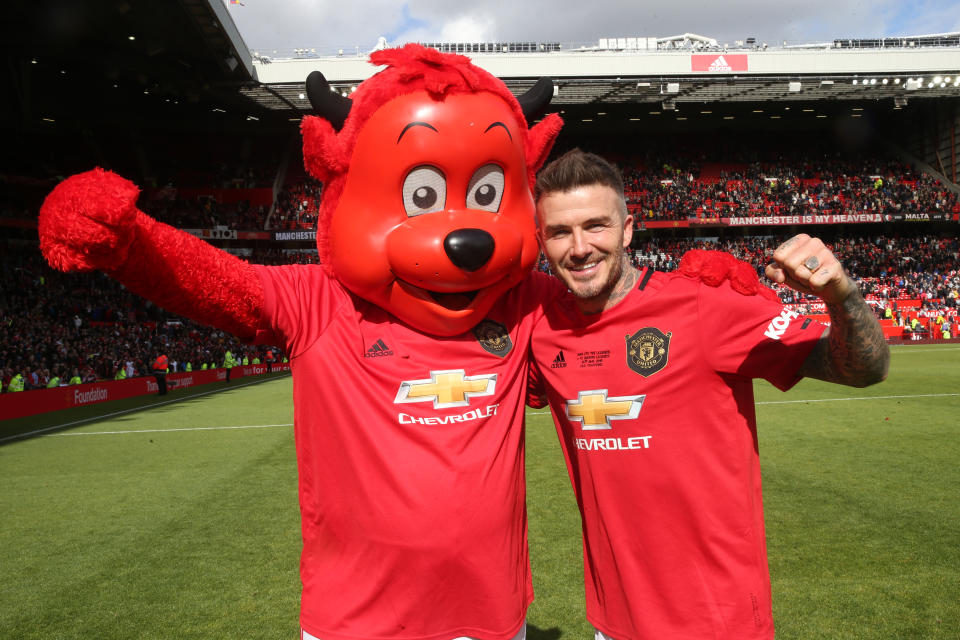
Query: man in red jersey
(649, 377)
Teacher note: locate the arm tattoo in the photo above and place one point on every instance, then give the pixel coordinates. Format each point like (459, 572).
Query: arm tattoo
(853, 350)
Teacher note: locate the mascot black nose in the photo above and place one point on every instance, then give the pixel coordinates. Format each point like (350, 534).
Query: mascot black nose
(469, 249)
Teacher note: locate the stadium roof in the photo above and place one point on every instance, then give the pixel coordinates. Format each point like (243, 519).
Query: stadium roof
(72, 60)
(177, 61)
(686, 68)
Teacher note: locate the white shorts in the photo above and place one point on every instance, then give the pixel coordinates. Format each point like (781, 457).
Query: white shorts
(600, 635)
(521, 635)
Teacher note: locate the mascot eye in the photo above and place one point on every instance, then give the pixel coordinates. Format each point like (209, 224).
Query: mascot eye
(424, 191)
(486, 188)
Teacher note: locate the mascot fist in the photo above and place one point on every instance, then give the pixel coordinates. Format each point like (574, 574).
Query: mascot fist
(88, 221)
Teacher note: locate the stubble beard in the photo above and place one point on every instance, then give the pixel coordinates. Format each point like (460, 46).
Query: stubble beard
(601, 295)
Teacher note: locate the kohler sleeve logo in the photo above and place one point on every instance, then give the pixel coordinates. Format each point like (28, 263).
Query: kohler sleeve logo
(778, 326)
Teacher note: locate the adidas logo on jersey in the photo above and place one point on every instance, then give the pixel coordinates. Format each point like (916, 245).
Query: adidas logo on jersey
(378, 350)
(559, 362)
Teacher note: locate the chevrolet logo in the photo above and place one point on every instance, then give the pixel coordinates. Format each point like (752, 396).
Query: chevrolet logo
(447, 388)
(595, 411)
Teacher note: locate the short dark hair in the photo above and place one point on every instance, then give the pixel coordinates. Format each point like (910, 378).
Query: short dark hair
(574, 169)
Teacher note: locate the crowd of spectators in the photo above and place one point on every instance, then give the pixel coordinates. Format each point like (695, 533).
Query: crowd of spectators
(297, 205)
(887, 269)
(86, 327)
(83, 327)
(791, 186)
(203, 212)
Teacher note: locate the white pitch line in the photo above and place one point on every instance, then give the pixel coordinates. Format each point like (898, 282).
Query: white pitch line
(919, 395)
(21, 436)
(906, 349)
(110, 433)
(290, 424)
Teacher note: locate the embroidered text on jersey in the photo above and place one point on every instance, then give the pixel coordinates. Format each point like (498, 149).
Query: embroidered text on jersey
(778, 326)
(595, 411)
(449, 388)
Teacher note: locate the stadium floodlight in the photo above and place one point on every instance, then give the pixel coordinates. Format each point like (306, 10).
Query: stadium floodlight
(937, 80)
(301, 96)
(912, 84)
(855, 81)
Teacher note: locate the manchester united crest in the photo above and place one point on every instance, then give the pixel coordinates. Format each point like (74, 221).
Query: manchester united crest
(493, 337)
(648, 350)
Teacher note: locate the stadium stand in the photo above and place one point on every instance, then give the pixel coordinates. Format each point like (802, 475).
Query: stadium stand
(59, 325)
(684, 191)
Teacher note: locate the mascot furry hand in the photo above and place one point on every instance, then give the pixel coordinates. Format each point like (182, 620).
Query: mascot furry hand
(409, 345)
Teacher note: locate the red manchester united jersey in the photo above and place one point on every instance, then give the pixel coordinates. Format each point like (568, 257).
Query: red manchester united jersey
(653, 401)
(410, 454)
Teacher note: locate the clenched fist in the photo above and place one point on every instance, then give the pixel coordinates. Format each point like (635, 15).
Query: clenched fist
(808, 266)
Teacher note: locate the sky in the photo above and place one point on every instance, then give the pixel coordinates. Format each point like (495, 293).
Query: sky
(282, 25)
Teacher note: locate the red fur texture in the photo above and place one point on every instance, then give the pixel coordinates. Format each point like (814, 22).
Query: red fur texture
(713, 267)
(90, 221)
(86, 222)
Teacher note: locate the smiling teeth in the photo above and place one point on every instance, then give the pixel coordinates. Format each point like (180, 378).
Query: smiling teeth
(584, 267)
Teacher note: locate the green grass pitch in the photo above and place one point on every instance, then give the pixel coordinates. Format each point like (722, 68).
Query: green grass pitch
(156, 524)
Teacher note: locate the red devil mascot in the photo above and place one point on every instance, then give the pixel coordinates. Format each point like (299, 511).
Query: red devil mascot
(408, 345)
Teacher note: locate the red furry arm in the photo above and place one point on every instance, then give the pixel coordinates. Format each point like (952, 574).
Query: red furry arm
(185, 275)
(90, 221)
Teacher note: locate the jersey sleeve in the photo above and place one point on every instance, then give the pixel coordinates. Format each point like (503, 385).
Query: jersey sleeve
(299, 303)
(754, 337)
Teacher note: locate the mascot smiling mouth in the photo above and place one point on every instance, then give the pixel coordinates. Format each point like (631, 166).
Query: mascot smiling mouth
(454, 301)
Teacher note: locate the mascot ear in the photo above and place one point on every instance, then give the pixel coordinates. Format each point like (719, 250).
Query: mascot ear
(540, 139)
(323, 153)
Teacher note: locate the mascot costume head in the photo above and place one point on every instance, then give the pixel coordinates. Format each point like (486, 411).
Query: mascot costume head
(427, 169)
